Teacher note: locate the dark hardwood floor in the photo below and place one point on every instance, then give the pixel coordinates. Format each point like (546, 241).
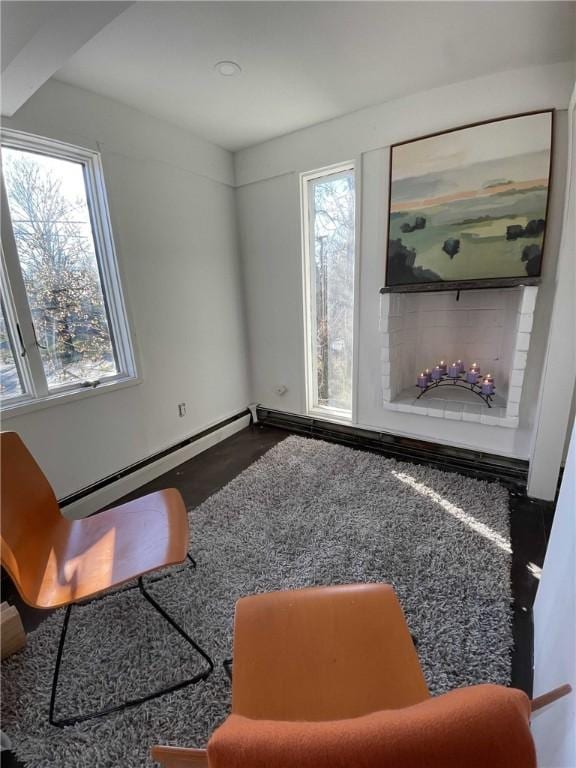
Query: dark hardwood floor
(209, 471)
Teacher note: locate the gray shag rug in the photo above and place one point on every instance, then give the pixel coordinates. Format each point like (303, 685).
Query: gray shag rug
(307, 513)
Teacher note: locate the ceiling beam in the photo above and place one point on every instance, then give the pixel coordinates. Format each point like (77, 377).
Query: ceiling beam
(47, 44)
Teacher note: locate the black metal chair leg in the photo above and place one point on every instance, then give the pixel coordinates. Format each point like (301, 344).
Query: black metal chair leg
(182, 632)
(57, 666)
(60, 723)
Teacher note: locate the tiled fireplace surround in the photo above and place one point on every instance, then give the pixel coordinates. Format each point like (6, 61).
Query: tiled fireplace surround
(490, 327)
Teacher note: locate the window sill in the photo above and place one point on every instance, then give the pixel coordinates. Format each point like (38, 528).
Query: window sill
(63, 398)
(331, 414)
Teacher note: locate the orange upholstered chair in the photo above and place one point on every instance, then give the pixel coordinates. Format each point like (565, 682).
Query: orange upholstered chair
(328, 677)
(57, 562)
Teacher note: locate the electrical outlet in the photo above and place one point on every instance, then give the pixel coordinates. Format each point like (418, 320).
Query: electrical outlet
(181, 409)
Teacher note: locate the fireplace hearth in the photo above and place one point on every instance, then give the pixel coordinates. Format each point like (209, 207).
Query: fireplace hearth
(490, 327)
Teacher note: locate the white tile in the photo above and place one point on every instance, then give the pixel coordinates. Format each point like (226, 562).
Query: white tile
(387, 394)
(396, 304)
(525, 323)
(454, 414)
(522, 341)
(472, 412)
(517, 379)
(528, 299)
(514, 394)
(419, 409)
(385, 304)
(443, 318)
(482, 299)
(519, 361)
(433, 301)
(412, 302)
(510, 422)
(513, 409)
(385, 355)
(489, 420)
(435, 408)
(390, 406)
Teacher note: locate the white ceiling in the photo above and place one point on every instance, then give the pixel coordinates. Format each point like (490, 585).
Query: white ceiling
(306, 62)
(39, 37)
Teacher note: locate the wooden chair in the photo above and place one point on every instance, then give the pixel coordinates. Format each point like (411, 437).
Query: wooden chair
(319, 654)
(57, 562)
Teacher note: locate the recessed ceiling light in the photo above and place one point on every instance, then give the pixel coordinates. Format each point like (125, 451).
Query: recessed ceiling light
(228, 68)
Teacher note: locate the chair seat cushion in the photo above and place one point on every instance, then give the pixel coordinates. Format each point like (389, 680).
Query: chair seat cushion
(96, 553)
(484, 726)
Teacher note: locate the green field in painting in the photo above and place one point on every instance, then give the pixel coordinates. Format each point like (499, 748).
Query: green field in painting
(480, 226)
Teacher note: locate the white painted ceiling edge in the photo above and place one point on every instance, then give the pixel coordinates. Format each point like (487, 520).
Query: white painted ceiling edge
(120, 129)
(40, 44)
(344, 138)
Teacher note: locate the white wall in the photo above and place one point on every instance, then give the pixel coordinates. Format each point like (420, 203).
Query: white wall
(173, 214)
(557, 391)
(554, 728)
(269, 219)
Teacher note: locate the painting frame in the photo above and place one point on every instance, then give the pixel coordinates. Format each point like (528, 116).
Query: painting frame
(473, 282)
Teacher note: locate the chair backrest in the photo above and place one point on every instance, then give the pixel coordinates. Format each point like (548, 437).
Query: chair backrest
(344, 651)
(29, 514)
(485, 725)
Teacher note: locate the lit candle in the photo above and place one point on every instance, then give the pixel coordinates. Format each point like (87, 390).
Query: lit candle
(454, 371)
(442, 366)
(436, 373)
(475, 367)
(489, 378)
(461, 365)
(422, 381)
(487, 387)
(472, 376)
(428, 373)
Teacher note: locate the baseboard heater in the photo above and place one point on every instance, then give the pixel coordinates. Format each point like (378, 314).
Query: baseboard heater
(109, 479)
(510, 472)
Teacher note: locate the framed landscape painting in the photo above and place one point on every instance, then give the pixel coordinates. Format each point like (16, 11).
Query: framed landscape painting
(468, 206)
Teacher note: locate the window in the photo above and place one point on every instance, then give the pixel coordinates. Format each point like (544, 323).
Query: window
(329, 254)
(10, 383)
(63, 326)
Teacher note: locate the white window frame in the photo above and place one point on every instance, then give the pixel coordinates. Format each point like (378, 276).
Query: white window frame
(309, 308)
(18, 316)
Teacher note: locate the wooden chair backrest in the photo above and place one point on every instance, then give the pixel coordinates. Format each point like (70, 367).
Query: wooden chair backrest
(29, 516)
(323, 653)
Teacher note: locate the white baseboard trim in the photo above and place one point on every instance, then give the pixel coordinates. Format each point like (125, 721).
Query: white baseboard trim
(115, 490)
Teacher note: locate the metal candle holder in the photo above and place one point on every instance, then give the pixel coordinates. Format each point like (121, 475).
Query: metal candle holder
(460, 381)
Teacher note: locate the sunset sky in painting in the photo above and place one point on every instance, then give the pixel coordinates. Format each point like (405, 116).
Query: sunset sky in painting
(463, 147)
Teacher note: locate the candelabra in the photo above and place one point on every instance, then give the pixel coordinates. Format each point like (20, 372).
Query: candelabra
(456, 376)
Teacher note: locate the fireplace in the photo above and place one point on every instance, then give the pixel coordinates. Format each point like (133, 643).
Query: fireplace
(489, 327)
